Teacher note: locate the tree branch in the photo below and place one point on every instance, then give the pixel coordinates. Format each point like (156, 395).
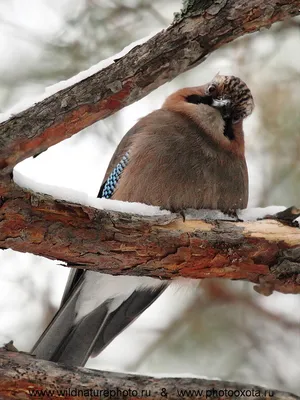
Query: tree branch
(202, 27)
(265, 252)
(43, 379)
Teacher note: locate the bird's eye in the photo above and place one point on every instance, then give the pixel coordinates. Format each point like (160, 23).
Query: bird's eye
(212, 89)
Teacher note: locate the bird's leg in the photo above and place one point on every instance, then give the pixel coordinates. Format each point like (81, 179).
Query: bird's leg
(182, 213)
(232, 213)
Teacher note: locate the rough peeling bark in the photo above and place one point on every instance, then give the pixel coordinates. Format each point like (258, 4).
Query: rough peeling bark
(24, 377)
(265, 252)
(202, 27)
(166, 246)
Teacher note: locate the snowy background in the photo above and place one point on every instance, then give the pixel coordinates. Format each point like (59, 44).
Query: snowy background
(222, 329)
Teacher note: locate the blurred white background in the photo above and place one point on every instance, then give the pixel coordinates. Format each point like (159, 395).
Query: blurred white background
(223, 329)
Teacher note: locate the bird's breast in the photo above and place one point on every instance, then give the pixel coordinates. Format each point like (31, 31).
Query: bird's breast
(178, 166)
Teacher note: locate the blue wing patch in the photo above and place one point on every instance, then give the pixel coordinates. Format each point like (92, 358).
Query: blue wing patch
(111, 183)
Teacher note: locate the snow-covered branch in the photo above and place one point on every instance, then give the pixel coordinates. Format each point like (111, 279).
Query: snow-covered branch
(115, 83)
(147, 241)
(162, 244)
(207, 244)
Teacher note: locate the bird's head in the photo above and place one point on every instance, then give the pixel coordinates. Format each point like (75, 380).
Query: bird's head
(218, 108)
(231, 96)
(228, 94)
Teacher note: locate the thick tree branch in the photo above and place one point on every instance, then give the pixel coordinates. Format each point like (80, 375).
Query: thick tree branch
(165, 247)
(201, 28)
(22, 376)
(265, 252)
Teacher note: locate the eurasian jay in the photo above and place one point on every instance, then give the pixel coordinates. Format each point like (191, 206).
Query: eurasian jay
(187, 154)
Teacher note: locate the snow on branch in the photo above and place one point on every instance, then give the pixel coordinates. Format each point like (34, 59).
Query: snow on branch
(148, 242)
(157, 244)
(207, 244)
(29, 378)
(202, 27)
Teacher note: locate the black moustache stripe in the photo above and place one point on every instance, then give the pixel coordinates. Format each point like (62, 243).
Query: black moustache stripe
(197, 99)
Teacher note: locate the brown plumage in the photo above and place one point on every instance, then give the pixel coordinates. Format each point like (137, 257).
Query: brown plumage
(179, 155)
(188, 154)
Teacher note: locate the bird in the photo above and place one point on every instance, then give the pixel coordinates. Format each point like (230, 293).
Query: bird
(190, 153)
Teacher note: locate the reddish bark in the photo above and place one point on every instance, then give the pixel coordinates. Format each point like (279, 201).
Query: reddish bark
(202, 28)
(163, 246)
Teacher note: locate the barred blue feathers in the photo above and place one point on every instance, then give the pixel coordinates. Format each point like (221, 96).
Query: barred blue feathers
(111, 183)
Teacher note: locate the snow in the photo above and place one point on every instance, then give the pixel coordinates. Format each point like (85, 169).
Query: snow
(67, 194)
(125, 207)
(206, 214)
(253, 214)
(50, 90)
(248, 214)
(75, 196)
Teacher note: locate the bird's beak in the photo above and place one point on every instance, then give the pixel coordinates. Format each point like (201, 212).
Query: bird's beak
(224, 106)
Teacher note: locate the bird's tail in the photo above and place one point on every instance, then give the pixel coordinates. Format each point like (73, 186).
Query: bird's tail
(72, 341)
